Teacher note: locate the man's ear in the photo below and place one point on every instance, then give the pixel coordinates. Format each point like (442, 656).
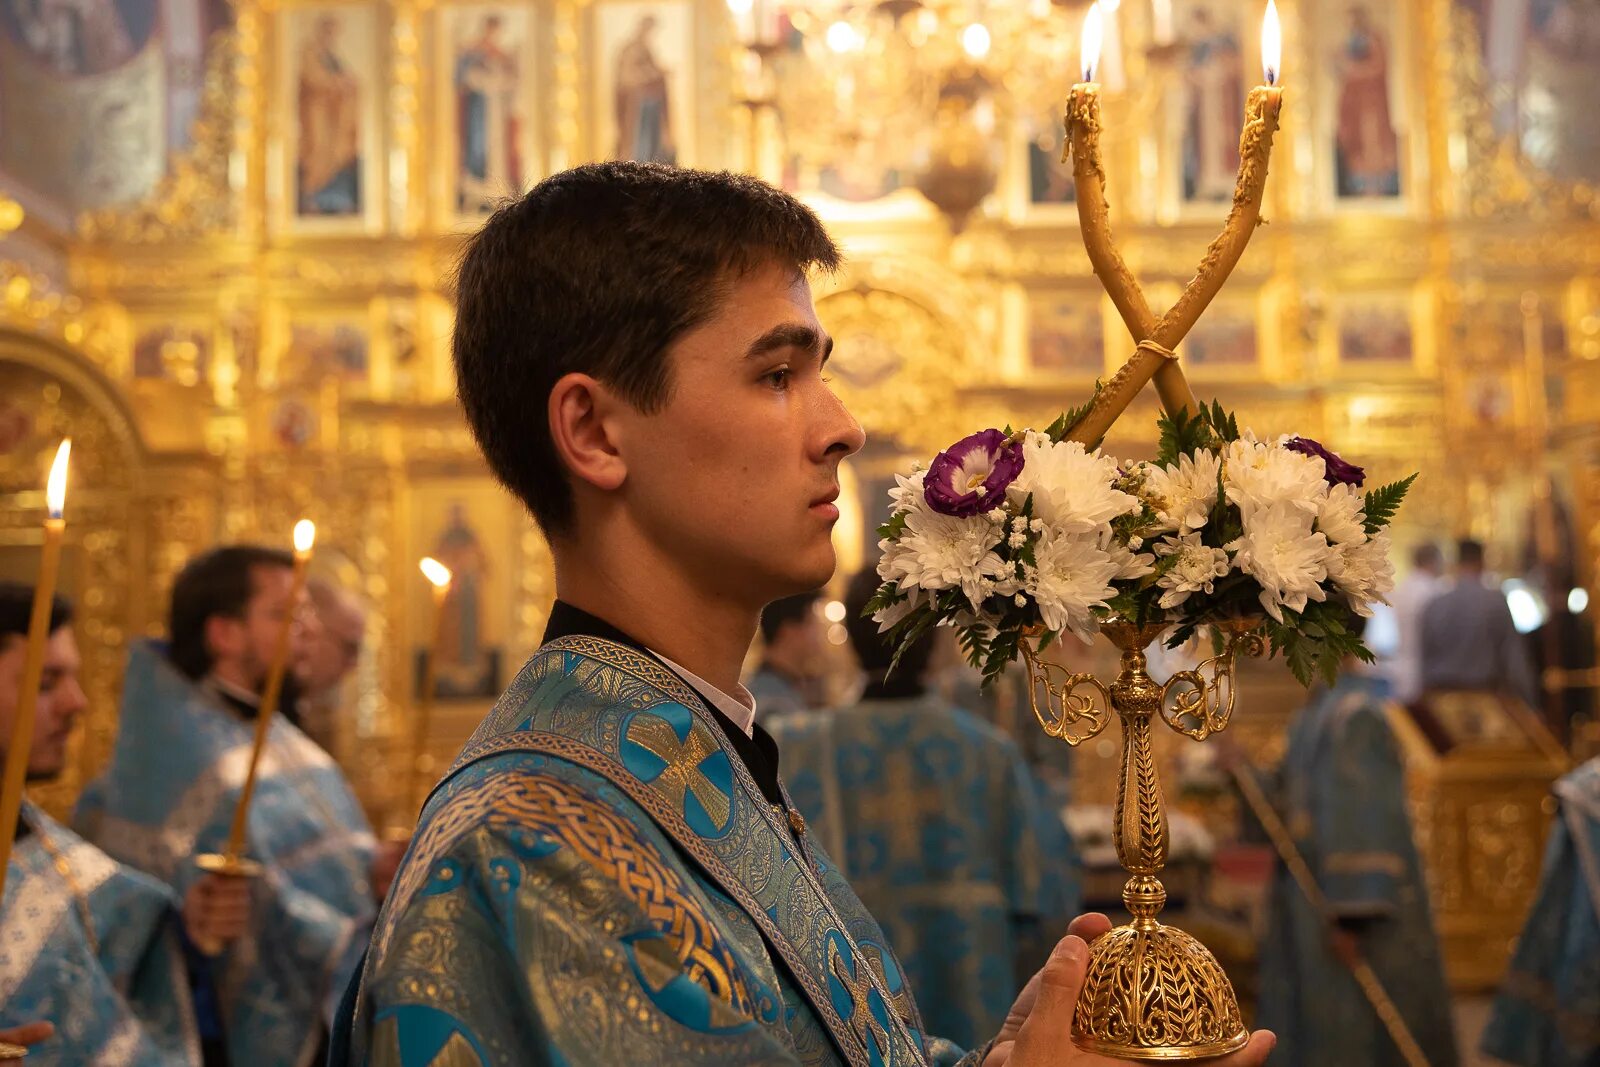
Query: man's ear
(224, 637)
(584, 432)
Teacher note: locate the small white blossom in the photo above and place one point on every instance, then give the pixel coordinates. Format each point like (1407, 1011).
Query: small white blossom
(1020, 601)
(907, 494)
(1258, 476)
(938, 552)
(1136, 543)
(1037, 525)
(1071, 577)
(1341, 517)
(1071, 488)
(997, 515)
(1196, 569)
(1017, 540)
(1363, 571)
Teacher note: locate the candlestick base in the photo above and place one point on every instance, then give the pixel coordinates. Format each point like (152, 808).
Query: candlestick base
(1154, 993)
(228, 866)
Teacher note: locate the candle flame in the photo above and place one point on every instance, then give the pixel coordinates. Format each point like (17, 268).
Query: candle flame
(55, 490)
(305, 534)
(435, 572)
(740, 7)
(1094, 30)
(1271, 43)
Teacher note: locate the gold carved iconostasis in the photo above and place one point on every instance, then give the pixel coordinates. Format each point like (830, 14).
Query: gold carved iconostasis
(230, 230)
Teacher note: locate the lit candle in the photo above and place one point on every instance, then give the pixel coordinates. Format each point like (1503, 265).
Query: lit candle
(16, 770)
(743, 12)
(438, 576)
(305, 534)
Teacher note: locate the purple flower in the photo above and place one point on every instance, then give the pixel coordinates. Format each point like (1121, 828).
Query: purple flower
(970, 477)
(1335, 470)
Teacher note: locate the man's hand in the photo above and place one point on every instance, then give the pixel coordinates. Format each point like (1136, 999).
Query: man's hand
(385, 862)
(28, 1034)
(216, 911)
(1038, 1030)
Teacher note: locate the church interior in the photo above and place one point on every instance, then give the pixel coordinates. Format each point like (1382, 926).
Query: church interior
(228, 239)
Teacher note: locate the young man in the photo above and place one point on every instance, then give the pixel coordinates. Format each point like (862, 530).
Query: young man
(92, 948)
(612, 873)
(938, 823)
(791, 643)
(169, 794)
(1341, 792)
(1468, 640)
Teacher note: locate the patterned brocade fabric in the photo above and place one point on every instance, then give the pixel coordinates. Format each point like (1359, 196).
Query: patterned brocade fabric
(600, 882)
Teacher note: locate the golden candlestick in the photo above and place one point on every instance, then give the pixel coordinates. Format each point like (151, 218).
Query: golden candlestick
(21, 743)
(1153, 992)
(231, 862)
(1155, 339)
(438, 576)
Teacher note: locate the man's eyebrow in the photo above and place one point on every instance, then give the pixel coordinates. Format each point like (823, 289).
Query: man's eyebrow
(790, 335)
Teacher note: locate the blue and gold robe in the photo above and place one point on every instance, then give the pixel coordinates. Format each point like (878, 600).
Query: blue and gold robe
(169, 795)
(950, 840)
(1548, 1011)
(91, 946)
(1342, 796)
(599, 880)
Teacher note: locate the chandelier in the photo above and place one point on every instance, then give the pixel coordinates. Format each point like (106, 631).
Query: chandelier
(922, 87)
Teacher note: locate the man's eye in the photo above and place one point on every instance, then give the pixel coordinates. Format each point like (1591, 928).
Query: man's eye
(779, 379)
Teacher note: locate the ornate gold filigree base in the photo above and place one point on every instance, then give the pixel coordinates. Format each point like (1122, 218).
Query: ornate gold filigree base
(1152, 992)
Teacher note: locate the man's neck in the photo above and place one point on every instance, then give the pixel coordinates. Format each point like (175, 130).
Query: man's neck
(228, 678)
(660, 608)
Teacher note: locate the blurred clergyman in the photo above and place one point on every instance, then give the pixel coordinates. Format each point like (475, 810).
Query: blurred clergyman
(791, 637)
(1468, 640)
(331, 651)
(939, 825)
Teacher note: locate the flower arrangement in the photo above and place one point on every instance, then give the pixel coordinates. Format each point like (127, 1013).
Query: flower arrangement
(1023, 536)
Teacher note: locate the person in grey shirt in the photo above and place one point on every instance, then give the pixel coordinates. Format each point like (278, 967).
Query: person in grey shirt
(1468, 640)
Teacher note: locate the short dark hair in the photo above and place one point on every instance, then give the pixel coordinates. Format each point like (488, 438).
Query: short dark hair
(872, 648)
(780, 613)
(599, 270)
(1469, 553)
(218, 582)
(16, 611)
(1427, 554)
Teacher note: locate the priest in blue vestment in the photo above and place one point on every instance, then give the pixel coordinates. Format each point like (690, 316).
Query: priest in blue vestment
(1547, 1013)
(169, 794)
(1341, 793)
(612, 871)
(939, 825)
(91, 962)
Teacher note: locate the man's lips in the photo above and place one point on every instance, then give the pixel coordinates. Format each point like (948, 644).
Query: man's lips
(824, 504)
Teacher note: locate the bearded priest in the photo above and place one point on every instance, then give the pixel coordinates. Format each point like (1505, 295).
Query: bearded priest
(612, 872)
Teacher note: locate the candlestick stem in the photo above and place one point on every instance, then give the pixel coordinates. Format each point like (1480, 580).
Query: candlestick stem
(423, 727)
(268, 706)
(21, 744)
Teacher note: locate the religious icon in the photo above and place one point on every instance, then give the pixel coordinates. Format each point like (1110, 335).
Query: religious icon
(294, 423)
(328, 165)
(180, 353)
(319, 351)
(1224, 337)
(643, 99)
(1066, 334)
(1049, 179)
(76, 38)
(16, 426)
(487, 79)
(1367, 148)
(1540, 57)
(1375, 333)
(1213, 78)
(469, 666)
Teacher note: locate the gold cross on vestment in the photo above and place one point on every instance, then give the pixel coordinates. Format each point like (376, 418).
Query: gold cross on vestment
(859, 984)
(912, 805)
(683, 758)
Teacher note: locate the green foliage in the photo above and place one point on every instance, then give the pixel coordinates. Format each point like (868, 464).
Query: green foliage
(1314, 642)
(1057, 431)
(1382, 503)
(888, 595)
(891, 530)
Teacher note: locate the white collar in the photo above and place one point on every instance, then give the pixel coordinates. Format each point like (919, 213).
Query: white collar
(739, 707)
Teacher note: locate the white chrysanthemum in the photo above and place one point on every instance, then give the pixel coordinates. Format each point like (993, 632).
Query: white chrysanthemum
(1071, 577)
(1363, 572)
(1341, 515)
(1258, 475)
(1195, 569)
(1129, 564)
(1071, 488)
(938, 552)
(1184, 493)
(891, 616)
(907, 494)
(1280, 551)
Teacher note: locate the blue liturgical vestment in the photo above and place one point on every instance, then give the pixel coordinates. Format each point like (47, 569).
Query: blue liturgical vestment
(1342, 796)
(91, 946)
(940, 826)
(1548, 1010)
(169, 795)
(600, 880)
